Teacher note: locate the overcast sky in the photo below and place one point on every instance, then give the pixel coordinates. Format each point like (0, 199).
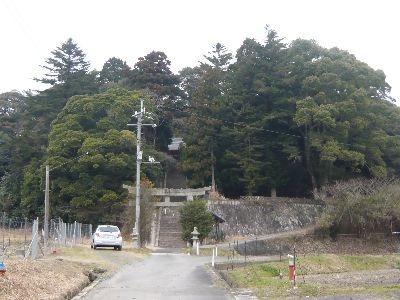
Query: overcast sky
(185, 30)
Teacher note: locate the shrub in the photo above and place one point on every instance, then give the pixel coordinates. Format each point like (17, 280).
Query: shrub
(361, 206)
(195, 214)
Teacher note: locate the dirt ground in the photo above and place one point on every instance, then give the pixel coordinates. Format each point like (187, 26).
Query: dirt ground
(42, 279)
(61, 275)
(376, 277)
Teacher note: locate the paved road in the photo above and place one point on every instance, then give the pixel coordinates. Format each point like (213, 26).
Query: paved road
(161, 276)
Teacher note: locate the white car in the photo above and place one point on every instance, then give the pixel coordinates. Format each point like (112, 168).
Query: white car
(107, 236)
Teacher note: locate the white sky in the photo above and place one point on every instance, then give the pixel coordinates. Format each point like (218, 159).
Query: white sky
(185, 30)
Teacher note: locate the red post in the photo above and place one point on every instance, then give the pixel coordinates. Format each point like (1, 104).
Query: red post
(292, 268)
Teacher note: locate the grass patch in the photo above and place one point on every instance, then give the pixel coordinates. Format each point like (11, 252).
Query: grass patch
(207, 252)
(105, 258)
(372, 262)
(264, 278)
(331, 263)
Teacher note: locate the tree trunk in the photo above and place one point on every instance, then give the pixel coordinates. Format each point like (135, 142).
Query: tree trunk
(308, 160)
(273, 192)
(212, 170)
(165, 179)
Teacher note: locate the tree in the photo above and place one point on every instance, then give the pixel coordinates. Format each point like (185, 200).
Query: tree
(195, 214)
(339, 112)
(256, 109)
(68, 62)
(360, 206)
(206, 86)
(68, 73)
(90, 188)
(14, 150)
(114, 69)
(153, 72)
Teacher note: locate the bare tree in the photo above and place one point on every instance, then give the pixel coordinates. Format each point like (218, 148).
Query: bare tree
(361, 205)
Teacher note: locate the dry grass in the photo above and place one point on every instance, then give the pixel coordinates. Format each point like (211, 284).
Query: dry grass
(41, 279)
(60, 275)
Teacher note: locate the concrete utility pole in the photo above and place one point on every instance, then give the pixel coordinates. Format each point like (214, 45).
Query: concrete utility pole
(47, 201)
(138, 163)
(139, 154)
(46, 209)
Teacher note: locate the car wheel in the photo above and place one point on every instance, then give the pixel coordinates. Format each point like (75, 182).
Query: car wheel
(115, 247)
(94, 247)
(91, 246)
(119, 248)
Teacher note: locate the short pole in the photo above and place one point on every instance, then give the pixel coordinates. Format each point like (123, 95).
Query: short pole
(197, 248)
(25, 236)
(294, 264)
(216, 251)
(212, 259)
(245, 252)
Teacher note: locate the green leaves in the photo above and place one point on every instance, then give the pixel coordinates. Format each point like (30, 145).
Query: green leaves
(195, 214)
(68, 62)
(95, 125)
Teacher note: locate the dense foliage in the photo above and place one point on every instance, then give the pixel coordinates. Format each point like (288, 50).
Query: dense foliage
(195, 214)
(277, 118)
(288, 119)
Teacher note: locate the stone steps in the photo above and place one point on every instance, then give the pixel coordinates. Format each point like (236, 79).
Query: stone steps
(170, 234)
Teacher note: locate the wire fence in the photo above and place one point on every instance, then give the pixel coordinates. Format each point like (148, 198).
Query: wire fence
(290, 255)
(242, 253)
(23, 237)
(259, 247)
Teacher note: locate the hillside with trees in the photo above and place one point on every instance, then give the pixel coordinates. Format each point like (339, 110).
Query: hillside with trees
(274, 118)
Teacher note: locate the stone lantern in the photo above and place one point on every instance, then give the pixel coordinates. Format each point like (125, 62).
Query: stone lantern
(195, 240)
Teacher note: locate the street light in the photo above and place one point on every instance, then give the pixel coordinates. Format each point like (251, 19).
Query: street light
(46, 198)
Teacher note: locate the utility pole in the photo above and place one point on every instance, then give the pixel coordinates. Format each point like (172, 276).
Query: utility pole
(47, 201)
(139, 154)
(138, 162)
(46, 209)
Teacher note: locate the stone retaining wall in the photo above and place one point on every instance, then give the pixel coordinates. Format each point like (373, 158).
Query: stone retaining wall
(263, 215)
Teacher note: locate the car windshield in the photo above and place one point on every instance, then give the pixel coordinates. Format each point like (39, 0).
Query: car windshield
(108, 229)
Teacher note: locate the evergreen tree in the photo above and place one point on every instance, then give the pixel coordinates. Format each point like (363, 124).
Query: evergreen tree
(114, 69)
(68, 62)
(152, 72)
(90, 188)
(199, 157)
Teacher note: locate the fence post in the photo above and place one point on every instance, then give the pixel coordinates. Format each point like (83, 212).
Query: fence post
(9, 232)
(34, 243)
(3, 227)
(294, 264)
(74, 233)
(212, 260)
(245, 253)
(25, 236)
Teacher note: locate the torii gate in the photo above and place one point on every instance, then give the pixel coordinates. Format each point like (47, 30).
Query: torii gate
(166, 194)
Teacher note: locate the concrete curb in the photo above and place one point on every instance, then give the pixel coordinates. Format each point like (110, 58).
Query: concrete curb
(87, 289)
(236, 294)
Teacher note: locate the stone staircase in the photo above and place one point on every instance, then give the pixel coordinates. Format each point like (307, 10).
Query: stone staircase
(170, 234)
